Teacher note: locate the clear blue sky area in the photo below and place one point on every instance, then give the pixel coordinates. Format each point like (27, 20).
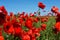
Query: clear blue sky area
(28, 5)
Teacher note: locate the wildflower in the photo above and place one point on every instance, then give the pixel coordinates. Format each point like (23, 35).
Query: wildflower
(41, 5)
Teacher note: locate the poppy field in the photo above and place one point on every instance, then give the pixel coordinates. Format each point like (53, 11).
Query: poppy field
(33, 26)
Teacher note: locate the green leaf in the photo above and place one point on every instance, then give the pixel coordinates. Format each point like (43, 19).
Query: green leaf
(37, 25)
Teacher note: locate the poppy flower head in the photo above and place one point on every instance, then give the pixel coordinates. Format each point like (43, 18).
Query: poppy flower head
(57, 26)
(54, 9)
(7, 26)
(43, 26)
(28, 23)
(2, 8)
(25, 37)
(11, 14)
(18, 31)
(41, 5)
(1, 38)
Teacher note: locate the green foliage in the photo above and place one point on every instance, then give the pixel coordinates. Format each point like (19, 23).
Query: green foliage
(48, 34)
(37, 25)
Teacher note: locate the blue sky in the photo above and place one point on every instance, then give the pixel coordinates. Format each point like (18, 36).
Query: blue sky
(28, 5)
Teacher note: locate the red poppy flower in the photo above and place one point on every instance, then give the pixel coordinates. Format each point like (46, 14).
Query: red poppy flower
(21, 20)
(54, 9)
(16, 24)
(2, 8)
(57, 26)
(41, 5)
(8, 28)
(43, 26)
(28, 24)
(26, 37)
(36, 31)
(1, 38)
(11, 14)
(31, 14)
(33, 37)
(26, 15)
(30, 32)
(23, 13)
(36, 20)
(17, 31)
(11, 30)
(44, 20)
